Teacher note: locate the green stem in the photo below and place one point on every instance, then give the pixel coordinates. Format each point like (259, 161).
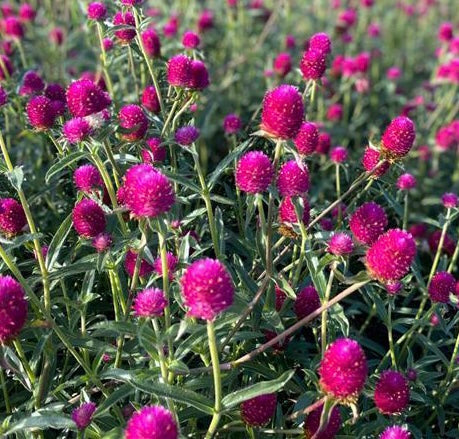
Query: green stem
(5, 392)
(116, 307)
(25, 363)
(103, 55)
(389, 333)
(338, 192)
(324, 314)
(405, 211)
(261, 211)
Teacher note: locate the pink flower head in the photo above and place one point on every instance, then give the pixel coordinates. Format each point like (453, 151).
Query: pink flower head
(186, 135)
(133, 121)
(152, 422)
(13, 308)
(199, 75)
(323, 146)
(88, 218)
(41, 113)
(149, 193)
(190, 40)
(374, 30)
(282, 113)
(282, 64)
(398, 138)
(406, 182)
(287, 213)
(367, 3)
(394, 287)
(207, 288)
(312, 423)
(87, 178)
(3, 96)
(370, 160)
(150, 303)
(313, 64)
(335, 112)
(362, 62)
(151, 43)
(27, 13)
(126, 35)
(56, 36)
(97, 11)
(307, 301)
(293, 179)
(130, 261)
(260, 410)
(448, 244)
(12, 217)
(254, 172)
(108, 44)
(320, 42)
(84, 98)
(290, 41)
(343, 370)
(13, 28)
(391, 256)
(102, 242)
(347, 18)
(395, 432)
(441, 286)
(172, 262)
(418, 230)
(205, 21)
(155, 152)
(450, 200)
(150, 99)
(446, 138)
(232, 123)
(171, 27)
(368, 222)
(179, 72)
(6, 9)
(280, 298)
(340, 244)
(307, 139)
(56, 93)
(338, 154)
(76, 130)
(82, 415)
(392, 393)
(446, 31)
(393, 73)
(31, 84)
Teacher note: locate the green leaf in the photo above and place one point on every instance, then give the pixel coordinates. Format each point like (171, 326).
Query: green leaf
(58, 240)
(43, 422)
(16, 177)
(63, 163)
(261, 388)
(121, 393)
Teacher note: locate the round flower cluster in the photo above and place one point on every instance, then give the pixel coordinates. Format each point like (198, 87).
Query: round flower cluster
(254, 172)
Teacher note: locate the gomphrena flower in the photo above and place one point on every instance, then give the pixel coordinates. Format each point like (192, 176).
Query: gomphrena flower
(340, 244)
(190, 40)
(293, 179)
(343, 370)
(406, 182)
(450, 200)
(31, 84)
(149, 193)
(441, 286)
(13, 27)
(324, 143)
(335, 112)
(186, 135)
(307, 301)
(76, 130)
(133, 121)
(282, 112)
(199, 75)
(129, 264)
(88, 218)
(172, 262)
(395, 432)
(280, 297)
(398, 138)
(394, 287)
(151, 43)
(179, 71)
(12, 217)
(287, 212)
(97, 11)
(391, 256)
(307, 138)
(82, 415)
(260, 410)
(282, 64)
(27, 13)
(102, 242)
(87, 178)
(41, 113)
(232, 123)
(338, 154)
(13, 308)
(3, 97)
(155, 152)
(56, 36)
(126, 35)
(392, 393)
(321, 42)
(446, 31)
(152, 422)
(150, 303)
(150, 99)
(207, 288)
(313, 64)
(56, 93)
(254, 172)
(368, 222)
(370, 161)
(312, 423)
(84, 98)
(7, 67)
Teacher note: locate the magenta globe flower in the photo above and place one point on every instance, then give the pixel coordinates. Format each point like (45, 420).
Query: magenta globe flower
(12, 217)
(150, 99)
(260, 410)
(392, 393)
(152, 422)
(254, 172)
(172, 262)
(207, 288)
(97, 11)
(338, 154)
(232, 124)
(87, 178)
(398, 138)
(190, 40)
(199, 75)
(102, 242)
(76, 130)
(450, 200)
(368, 222)
(88, 218)
(312, 423)
(155, 152)
(133, 121)
(130, 261)
(282, 112)
(321, 42)
(340, 244)
(282, 64)
(307, 301)
(335, 112)
(293, 179)
(186, 135)
(151, 43)
(126, 35)
(84, 98)
(307, 139)
(31, 84)
(371, 162)
(441, 286)
(395, 432)
(287, 213)
(82, 415)
(406, 182)
(179, 72)
(343, 370)
(313, 64)
(41, 113)
(27, 13)
(150, 303)
(13, 308)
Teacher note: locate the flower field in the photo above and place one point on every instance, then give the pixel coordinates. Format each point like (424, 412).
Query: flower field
(229, 219)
